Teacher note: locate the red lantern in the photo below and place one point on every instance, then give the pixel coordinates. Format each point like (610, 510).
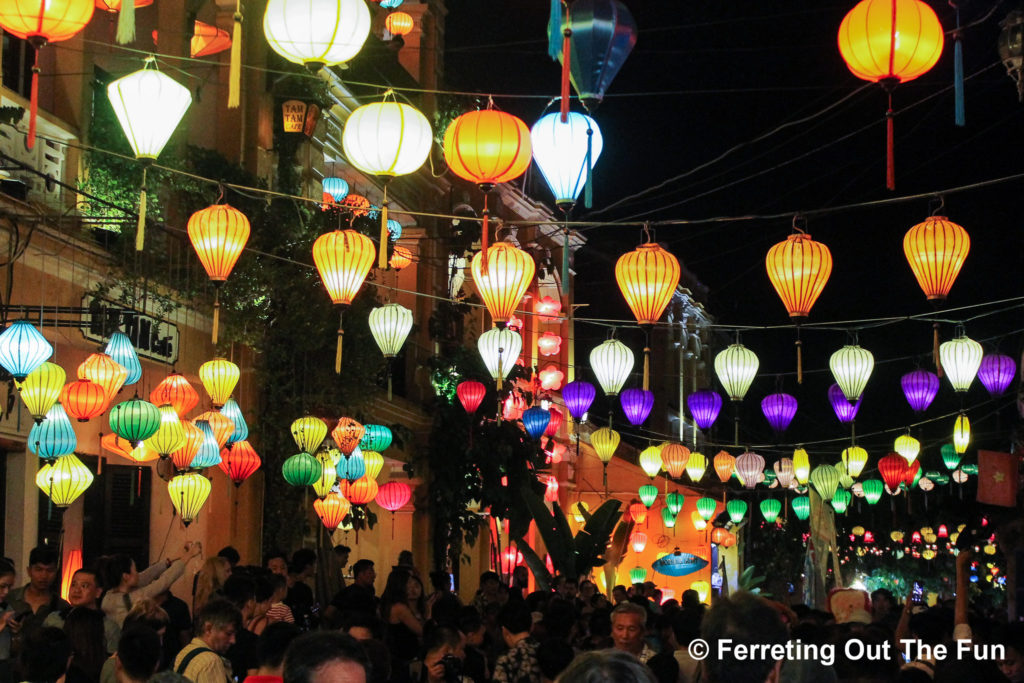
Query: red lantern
(394, 495)
(359, 492)
(911, 474)
(239, 462)
(869, 537)
(221, 425)
(471, 393)
(177, 391)
(83, 400)
(893, 469)
(551, 492)
(638, 512)
(943, 532)
(729, 540)
(331, 509)
(347, 435)
(105, 371)
(915, 537)
(555, 422)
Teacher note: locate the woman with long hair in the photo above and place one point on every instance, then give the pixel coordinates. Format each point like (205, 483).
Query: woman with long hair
(124, 585)
(84, 627)
(209, 581)
(404, 627)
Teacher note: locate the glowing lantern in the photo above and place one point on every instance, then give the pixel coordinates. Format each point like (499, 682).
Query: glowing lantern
(841, 500)
(668, 518)
(336, 187)
(801, 466)
(578, 396)
(706, 508)
(961, 434)
(177, 391)
(844, 410)
(605, 441)
(638, 541)
(41, 389)
(845, 480)
(637, 575)
(22, 347)
(206, 40)
(704, 407)
(893, 469)
(779, 410)
(390, 326)
(64, 480)
(316, 33)
(961, 358)
(549, 344)
(749, 467)
(350, 467)
(376, 438)
(170, 435)
(650, 461)
(699, 523)
(308, 433)
(499, 348)
(233, 412)
(851, 366)
(825, 480)
(770, 509)
(736, 367)
(194, 438)
(696, 465)
(890, 42)
(502, 275)
(566, 152)
(724, 466)
(801, 507)
(121, 350)
(218, 234)
(580, 511)
(675, 457)
(188, 494)
(471, 393)
(536, 421)
(784, 472)
(221, 426)
(854, 459)
(674, 502)
(648, 495)
(302, 469)
(209, 449)
(611, 361)
(332, 509)
(799, 267)
(872, 489)
(919, 388)
(513, 407)
(361, 491)
(373, 462)
(53, 437)
(551, 378)
(398, 24)
(936, 251)
(239, 462)
(996, 373)
(638, 513)
(219, 377)
(135, 420)
(647, 277)
(343, 258)
(83, 400)
(400, 257)
(913, 474)
(328, 474)
(101, 369)
(637, 405)
(557, 452)
(737, 510)
(703, 589)
(908, 447)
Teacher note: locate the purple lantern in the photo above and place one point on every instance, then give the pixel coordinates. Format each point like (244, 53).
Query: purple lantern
(920, 387)
(845, 411)
(704, 406)
(996, 373)
(637, 405)
(779, 410)
(578, 397)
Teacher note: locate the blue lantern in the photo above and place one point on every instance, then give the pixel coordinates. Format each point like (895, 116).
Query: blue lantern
(566, 153)
(394, 229)
(352, 467)
(336, 187)
(23, 349)
(121, 349)
(679, 564)
(390, 4)
(209, 452)
(536, 420)
(231, 411)
(603, 35)
(376, 438)
(54, 436)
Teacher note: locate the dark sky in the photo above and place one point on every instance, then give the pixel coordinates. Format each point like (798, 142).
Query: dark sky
(747, 67)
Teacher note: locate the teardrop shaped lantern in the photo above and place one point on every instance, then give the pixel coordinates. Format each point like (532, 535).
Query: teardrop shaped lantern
(647, 277)
(749, 467)
(170, 435)
(122, 351)
(566, 153)
(893, 470)
(961, 434)
(696, 465)
(221, 426)
(351, 467)
(233, 412)
(650, 461)
(41, 389)
(184, 456)
(736, 367)
(725, 465)
(502, 274)
(218, 234)
(890, 42)
(638, 539)
(301, 469)
(64, 480)
(239, 462)
(308, 433)
(332, 510)
(595, 42)
(779, 410)
(316, 33)
(936, 250)
(825, 480)
(209, 450)
(500, 349)
(919, 388)
(770, 509)
(390, 325)
(638, 513)
(872, 489)
(612, 362)
(674, 502)
(637, 405)
(784, 472)
(471, 394)
(343, 258)
(177, 391)
(83, 400)
(961, 359)
(675, 456)
(668, 518)
(845, 411)
(579, 396)
(219, 377)
(536, 420)
(347, 434)
(854, 460)
(737, 510)
(104, 371)
(54, 437)
(135, 420)
(336, 187)
(374, 463)
(706, 508)
(841, 500)
(851, 366)
(801, 466)
(996, 373)
(188, 493)
(328, 474)
(23, 349)
(605, 441)
(801, 507)
(361, 491)
(908, 447)
(704, 407)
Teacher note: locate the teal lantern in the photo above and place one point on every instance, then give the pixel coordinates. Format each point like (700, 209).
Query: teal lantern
(674, 502)
(737, 510)
(351, 467)
(302, 469)
(825, 480)
(668, 518)
(941, 479)
(841, 500)
(376, 438)
(770, 509)
(706, 508)
(950, 458)
(872, 489)
(135, 420)
(208, 454)
(637, 575)
(23, 349)
(394, 230)
(121, 349)
(802, 507)
(231, 411)
(54, 436)
(648, 494)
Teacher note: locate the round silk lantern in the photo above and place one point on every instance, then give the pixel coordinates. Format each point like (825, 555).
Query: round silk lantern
(64, 480)
(893, 469)
(919, 388)
(499, 348)
(308, 433)
(696, 465)
(612, 362)
(566, 152)
(801, 466)
(233, 412)
(736, 367)
(135, 420)
(908, 447)
(41, 389)
(332, 510)
(376, 438)
(54, 437)
(650, 461)
(779, 410)
(718, 535)
(675, 457)
(184, 456)
(328, 474)
(845, 411)
(725, 464)
(638, 541)
(841, 500)
(647, 277)
(936, 250)
(219, 377)
(502, 274)
(801, 507)
(872, 489)
(674, 502)
(361, 491)
(170, 435)
(471, 393)
(749, 467)
(104, 371)
(390, 325)
(316, 33)
(302, 469)
(854, 460)
(851, 366)
(737, 510)
(996, 373)
(784, 472)
(605, 441)
(638, 513)
(961, 359)
(398, 24)
(23, 349)
(218, 234)
(177, 391)
(536, 421)
(221, 426)
(770, 509)
(825, 480)
(188, 493)
(343, 258)
(83, 400)
(209, 450)
(648, 495)
(637, 405)
(578, 396)
(336, 187)
(239, 462)
(704, 407)
(706, 507)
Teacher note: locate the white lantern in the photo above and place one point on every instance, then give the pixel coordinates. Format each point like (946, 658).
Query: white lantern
(961, 358)
(560, 150)
(500, 348)
(784, 472)
(390, 325)
(316, 33)
(960, 477)
(736, 368)
(611, 361)
(750, 468)
(925, 484)
(387, 138)
(149, 105)
(851, 366)
(456, 275)
(908, 447)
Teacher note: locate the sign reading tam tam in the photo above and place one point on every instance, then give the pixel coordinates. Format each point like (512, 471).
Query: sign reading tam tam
(997, 478)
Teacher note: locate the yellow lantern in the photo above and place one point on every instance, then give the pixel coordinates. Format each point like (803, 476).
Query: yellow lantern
(328, 474)
(188, 494)
(961, 434)
(502, 273)
(374, 463)
(580, 510)
(343, 258)
(736, 368)
(308, 433)
(801, 466)
(316, 33)
(908, 447)
(854, 459)
(703, 589)
(961, 358)
(699, 523)
(40, 390)
(650, 461)
(896, 536)
(696, 466)
(647, 277)
(857, 530)
(170, 435)
(219, 377)
(64, 480)
(398, 23)
(605, 441)
(851, 366)
(611, 361)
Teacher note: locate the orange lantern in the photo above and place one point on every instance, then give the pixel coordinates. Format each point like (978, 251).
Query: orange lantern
(398, 24)
(401, 257)
(332, 509)
(343, 259)
(347, 434)
(675, 456)
(729, 540)
(647, 277)
(221, 425)
(356, 204)
(207, 40)
(239, 462)
(359, 492)
(104, 371)
(890, 42)
(718, 535)
(638, 512)
(83, 400)
(502, 274)
(936, 251)
(115, 5)
(177, 391)
(218, 234)
(123, 447)
(724, 465)
(183, 457)
(40, 23)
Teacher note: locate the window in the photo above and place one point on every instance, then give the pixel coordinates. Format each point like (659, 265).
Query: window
(18, 57)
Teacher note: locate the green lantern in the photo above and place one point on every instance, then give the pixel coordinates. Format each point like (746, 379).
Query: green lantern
(135, 420)
(674, 502)
(376, 438)
(770, 509)
(845, 480)
(872, 489)
(950, 458)
(825, 480)
(637, 575)
(309, 432)
(301, 469)
(970, 468)
(917, 476)
(802, 507)
(737, 510)
(706, 508)
(941, 479)
(668, 518)
(841, 500)
(648, 494)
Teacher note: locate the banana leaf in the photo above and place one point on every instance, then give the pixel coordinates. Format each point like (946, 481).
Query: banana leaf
(591, 541)
(554, 529)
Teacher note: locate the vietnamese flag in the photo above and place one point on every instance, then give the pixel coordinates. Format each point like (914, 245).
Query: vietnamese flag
(997, 478)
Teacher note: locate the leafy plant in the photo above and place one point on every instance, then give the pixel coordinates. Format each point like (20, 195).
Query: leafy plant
(750, 583)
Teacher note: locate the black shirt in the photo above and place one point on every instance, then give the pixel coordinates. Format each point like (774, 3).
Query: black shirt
(356, 598)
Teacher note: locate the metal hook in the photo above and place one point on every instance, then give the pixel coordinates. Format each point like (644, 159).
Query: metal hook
(647, 231)
(220, 189)
(942, 203)
(797, 220)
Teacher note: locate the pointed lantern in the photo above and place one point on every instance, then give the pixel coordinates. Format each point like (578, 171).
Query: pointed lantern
(41, 389)
(83, 400)
(936, 250)
(390, 325)
(565, 153)
(612, 362)
(177, 391)
(239, 462)
(188, 493)
(851, 366)
(122, 351)
(961, 359)
(736, 368)
(64, 480)
(23, 349)
(502, 274)
(500, 349)
(219, 377)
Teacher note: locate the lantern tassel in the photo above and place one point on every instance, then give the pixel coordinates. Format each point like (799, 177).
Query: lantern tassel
(958, 73)
(555, 29)
(140, 228)
(647, 368)
(235, 68)
(588, 189)
(33, 107)
(935, 349)
(126, 23)
(341, 337)
(566, 63)
(565, 260)
(890, 154)
(216, 315)
(485, 239)
(501, 375)
(799, 361)
(382, 260)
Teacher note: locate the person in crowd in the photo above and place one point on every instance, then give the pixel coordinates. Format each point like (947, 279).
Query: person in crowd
(629, 626)
(686, 629)
(488, 593)
(745, 619)
(179, 624)
(471, 626)
(277, 562)
(599, 627)
(519, 664)
(45, 655)
(300, 596)
(325, 657)
(278, 610)
(1011, 664)
(7, 615)
(883, 608)
(240, 591)
(37, 599)
(209, 582)
(85, 629)
(440, 589)
(125, 585)
(271, 648)
(554, 656)
(404, 626)
(143, 613)
(341, 556)
(443, 656)
(606, 666)
(85, 592)
(520, 587)
(405, 561)
(417, 599)
(368, 630)
(230, 554)
(585, 600)
(138, 655)
(567, 589)
(203, 660)
(619, 594)
(264, 599)
(357, 596)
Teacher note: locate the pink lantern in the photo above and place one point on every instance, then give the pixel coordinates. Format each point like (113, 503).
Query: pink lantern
(547, 309)
(551, 494)
(551, 378)
(471, 393)
(515, 324)
(638, 540)
(549, 344)
(394, 495)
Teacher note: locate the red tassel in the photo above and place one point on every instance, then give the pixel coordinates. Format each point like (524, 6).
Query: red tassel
(890, 158)
(33, 109)
(485, 236)
(566, 62)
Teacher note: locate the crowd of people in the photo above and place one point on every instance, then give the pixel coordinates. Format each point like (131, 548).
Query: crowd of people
(264, 624)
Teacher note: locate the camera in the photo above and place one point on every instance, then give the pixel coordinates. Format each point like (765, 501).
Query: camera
(452, 668)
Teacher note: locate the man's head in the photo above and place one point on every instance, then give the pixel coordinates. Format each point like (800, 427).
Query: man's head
(303, 564)
(515, 621)
(619, 594)
(882, 604)
(273, 644)
(325, 657)
(489, 582)
(138, 654)
(629, 625)
(85, 590)
(745, 619)
(520, 576)
(45, 654)
(277, 562)
(216, 625)
(568, 589)
(42, 568)
(342, 552)
(363, 573)
(439, 643)
(240, 590)
(231, 555)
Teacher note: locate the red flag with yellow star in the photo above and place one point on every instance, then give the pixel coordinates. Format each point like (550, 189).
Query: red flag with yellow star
(997, 478)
